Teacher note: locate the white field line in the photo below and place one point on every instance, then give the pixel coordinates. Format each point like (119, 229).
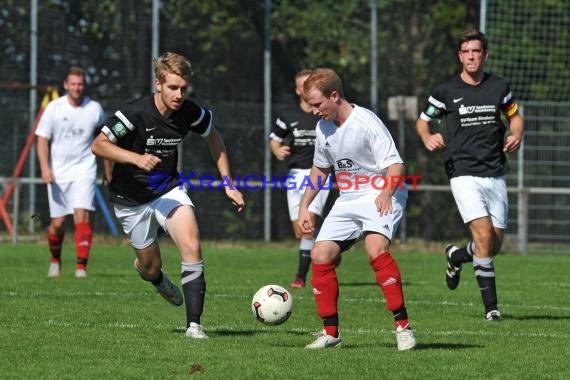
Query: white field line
(23, 294)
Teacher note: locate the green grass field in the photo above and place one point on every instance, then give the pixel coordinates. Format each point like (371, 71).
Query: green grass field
(113, 326)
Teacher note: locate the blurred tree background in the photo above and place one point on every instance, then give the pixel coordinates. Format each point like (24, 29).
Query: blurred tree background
(224, 40)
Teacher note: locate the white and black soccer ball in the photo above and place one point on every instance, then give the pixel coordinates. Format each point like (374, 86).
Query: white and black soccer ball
(272, 305)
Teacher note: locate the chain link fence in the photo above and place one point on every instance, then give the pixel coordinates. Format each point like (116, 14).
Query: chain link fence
(539, 196)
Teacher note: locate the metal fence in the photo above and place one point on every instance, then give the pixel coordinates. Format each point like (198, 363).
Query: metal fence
(539, 181)
(539, 184)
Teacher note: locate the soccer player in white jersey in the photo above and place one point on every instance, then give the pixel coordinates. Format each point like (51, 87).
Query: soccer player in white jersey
(472, 103)
(373, 196)
(68, 167)
(298, 124)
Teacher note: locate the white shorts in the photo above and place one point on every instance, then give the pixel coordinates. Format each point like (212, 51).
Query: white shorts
(141, 223)
(351, 216)
(295, 195)
(477, 197)
(63, 198)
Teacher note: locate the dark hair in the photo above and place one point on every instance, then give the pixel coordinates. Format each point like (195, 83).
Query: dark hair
(470, 35)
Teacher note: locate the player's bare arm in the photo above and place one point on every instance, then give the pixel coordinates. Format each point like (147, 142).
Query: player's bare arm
(394, 175)
(220, 156)
(305, 222)
(103, 147)
(514, 140)
(108, 166)
(279, 150)
(431, 141)
(42, 148)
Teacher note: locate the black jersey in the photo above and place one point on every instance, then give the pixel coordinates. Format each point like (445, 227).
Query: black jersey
(475, 131)
(299, 126)
(139, 127)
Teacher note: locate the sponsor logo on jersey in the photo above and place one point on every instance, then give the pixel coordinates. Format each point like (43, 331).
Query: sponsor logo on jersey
(74, 133)
(457, 100)
(344, 164)
(167, 142)
(463, 110)
(304, 133)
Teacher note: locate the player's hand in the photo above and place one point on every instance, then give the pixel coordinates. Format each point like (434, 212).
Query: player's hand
(434, 142)
(304, 222)
(283, 152)
(237, 198)
(47, 176)
(147, 162)
(512, 144)
(384, 203)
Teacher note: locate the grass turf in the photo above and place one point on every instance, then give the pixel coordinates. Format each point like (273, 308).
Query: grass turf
(113, 326)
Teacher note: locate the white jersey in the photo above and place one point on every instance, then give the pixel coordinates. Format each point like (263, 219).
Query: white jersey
(360, 150)
(70, 131)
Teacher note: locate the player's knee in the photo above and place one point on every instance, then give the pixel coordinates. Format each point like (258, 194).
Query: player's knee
(321, 256)
(190, 250)
(56, 226)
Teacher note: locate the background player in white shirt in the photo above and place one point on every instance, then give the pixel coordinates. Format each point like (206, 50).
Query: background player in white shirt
(298, 125)
(64, 136)
(371, 202)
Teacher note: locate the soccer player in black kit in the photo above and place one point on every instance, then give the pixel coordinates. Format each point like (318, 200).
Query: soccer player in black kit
(298, 124)
(471, 104)
(142, 140)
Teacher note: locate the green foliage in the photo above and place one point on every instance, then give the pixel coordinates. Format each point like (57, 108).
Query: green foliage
(413, 53)
(113, 325)
(224, 38)
(327, 33)
(529, 46)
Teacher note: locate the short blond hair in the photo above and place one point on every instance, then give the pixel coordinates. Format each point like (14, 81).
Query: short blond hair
(75, 70)
(172, 63)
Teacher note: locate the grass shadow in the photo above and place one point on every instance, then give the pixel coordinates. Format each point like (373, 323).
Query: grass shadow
(446, 346)
(371, 283)
(538, 317)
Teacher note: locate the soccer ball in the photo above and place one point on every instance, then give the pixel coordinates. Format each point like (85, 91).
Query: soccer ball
(272, 305)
